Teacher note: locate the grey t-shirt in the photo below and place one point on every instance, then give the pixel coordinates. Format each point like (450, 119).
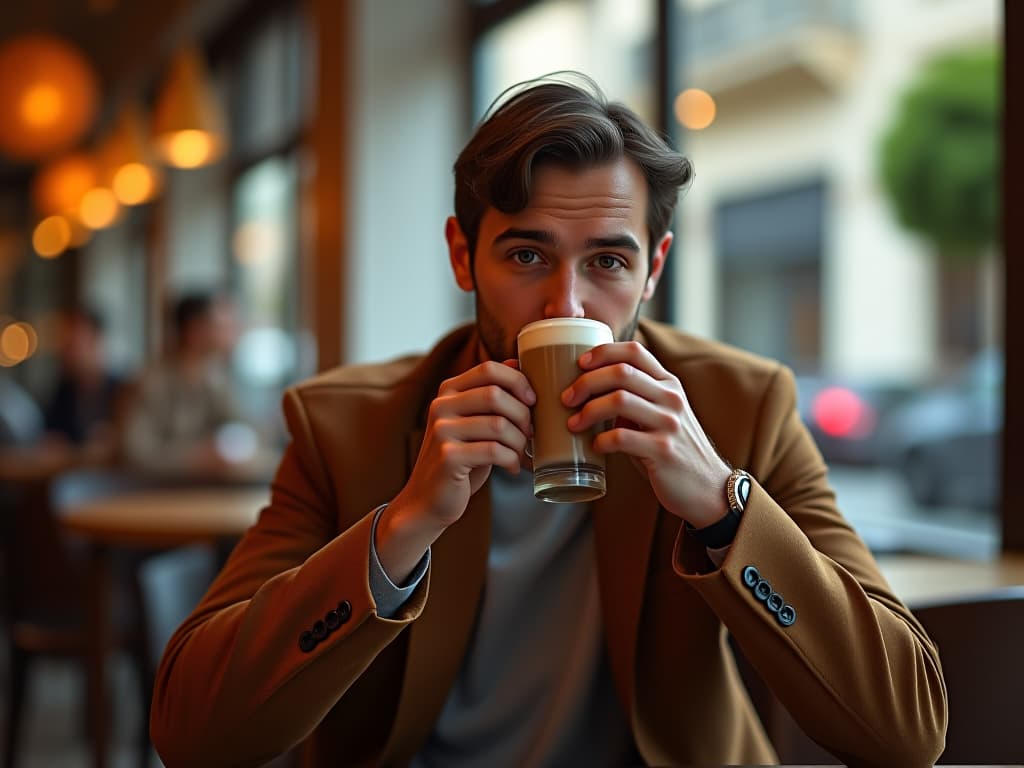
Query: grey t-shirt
(534, 688)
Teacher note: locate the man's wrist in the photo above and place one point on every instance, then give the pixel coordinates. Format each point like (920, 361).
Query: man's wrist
(401, 539)
(722, 531)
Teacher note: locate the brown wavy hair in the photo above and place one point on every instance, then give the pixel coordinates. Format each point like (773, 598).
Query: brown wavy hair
(564, 119)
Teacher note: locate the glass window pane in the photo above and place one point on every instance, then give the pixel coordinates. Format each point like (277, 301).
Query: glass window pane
(609, 40)
(797, 241)
(264, 249)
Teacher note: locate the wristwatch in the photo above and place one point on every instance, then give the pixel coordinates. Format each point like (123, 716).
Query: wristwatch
(721, 534)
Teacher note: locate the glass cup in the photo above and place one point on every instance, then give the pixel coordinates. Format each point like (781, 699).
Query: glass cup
(566, 468)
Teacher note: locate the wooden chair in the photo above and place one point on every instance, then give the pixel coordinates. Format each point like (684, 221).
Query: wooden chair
(45, 576)
(980, 638)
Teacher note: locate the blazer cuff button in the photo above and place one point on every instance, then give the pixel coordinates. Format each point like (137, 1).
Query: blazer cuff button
(751, 576)
(319, 631)
(786, 615)
(763, 590)
(307, 642)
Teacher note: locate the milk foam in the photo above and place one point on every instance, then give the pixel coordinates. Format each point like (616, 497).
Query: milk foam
(564, 330)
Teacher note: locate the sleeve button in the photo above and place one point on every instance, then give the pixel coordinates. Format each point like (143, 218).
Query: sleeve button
(751, 576)
(786, 615)
(775, 602)
(763, 590)
(344, 611)
(307, 642)
(332, 620)
(319, 631)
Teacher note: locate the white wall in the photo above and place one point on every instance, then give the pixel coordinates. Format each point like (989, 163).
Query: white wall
(408, 125)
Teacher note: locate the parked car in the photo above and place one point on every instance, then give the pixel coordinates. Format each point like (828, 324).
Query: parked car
(845, 416)
(946, 440)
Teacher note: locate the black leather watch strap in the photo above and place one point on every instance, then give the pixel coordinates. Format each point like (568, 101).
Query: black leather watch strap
(718, 534)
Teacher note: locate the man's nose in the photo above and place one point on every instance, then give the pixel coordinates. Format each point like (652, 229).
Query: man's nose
(565, 297)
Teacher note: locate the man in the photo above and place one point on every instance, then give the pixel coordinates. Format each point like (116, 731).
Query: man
(404, 599)
(185, 419)
(82, 410)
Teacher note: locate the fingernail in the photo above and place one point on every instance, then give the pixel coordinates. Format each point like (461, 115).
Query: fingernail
(574, 420)
(568, 396)
(531, 397)
(585, 360)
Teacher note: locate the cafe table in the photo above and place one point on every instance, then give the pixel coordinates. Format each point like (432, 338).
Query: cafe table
(154, 519)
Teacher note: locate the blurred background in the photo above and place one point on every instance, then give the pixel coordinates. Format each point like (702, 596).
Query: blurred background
(288, 165)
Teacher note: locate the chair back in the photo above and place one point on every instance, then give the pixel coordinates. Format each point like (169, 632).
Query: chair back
(980, 640)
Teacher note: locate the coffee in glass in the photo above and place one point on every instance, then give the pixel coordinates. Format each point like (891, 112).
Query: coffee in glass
(566, 468)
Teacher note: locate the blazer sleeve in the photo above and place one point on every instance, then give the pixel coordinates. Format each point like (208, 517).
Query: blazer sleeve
(803, 597)
(234, 686)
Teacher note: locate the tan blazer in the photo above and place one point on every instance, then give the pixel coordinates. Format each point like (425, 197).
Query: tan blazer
(855, 668)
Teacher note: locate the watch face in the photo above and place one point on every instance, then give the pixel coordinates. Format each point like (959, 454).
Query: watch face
(743, 490)
(738, 490)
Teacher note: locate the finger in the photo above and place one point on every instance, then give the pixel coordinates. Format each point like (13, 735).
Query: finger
(485, 453)
(488, 373)
(482, 428)
(632, 352)
(488, 400)
(640, 445)
(611, 377)
(622, 404)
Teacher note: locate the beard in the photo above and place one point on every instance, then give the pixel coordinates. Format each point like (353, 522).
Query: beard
(500, 347)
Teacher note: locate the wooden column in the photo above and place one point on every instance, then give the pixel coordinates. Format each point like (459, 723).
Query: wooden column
(323, 196)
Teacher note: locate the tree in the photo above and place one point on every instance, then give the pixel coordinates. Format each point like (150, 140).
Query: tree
(939, 157)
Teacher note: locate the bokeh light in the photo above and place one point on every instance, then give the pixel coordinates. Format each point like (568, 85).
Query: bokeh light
(133, 183)
(189, 149)
(17, 343)
(99, 208)
(52, 236)
(48, 96)
(695, 109)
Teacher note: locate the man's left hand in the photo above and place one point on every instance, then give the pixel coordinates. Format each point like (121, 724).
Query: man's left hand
(652, 422)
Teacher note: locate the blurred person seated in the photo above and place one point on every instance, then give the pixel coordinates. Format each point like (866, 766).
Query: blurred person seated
(83, 406)
(184, 419)
(21, 421)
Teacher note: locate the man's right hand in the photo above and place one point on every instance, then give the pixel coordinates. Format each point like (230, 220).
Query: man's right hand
(479, 420)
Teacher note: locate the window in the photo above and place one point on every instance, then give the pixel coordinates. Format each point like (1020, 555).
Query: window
(883, 330)
(610, 41)
(788, 243)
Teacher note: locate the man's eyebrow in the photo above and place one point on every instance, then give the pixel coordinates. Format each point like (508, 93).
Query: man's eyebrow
(543, 236)
(537, 235)
(615, 241)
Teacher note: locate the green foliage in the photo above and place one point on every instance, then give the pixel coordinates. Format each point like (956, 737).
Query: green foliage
(939, 158)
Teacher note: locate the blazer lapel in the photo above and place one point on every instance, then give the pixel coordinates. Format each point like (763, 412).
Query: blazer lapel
(624, 526)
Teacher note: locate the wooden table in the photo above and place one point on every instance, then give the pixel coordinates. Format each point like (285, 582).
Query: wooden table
(922, 579)
(152, 519)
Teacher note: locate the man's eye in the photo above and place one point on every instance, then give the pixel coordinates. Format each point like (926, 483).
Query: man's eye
(607, 261)
(526, 257)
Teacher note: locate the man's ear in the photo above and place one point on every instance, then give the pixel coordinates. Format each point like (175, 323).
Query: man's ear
(658, 258)
(458, 254)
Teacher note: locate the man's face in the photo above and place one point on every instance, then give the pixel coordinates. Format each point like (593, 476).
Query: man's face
(579, 249)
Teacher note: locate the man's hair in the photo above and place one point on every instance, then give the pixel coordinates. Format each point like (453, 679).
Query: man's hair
(560, 119)
(188, 309)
